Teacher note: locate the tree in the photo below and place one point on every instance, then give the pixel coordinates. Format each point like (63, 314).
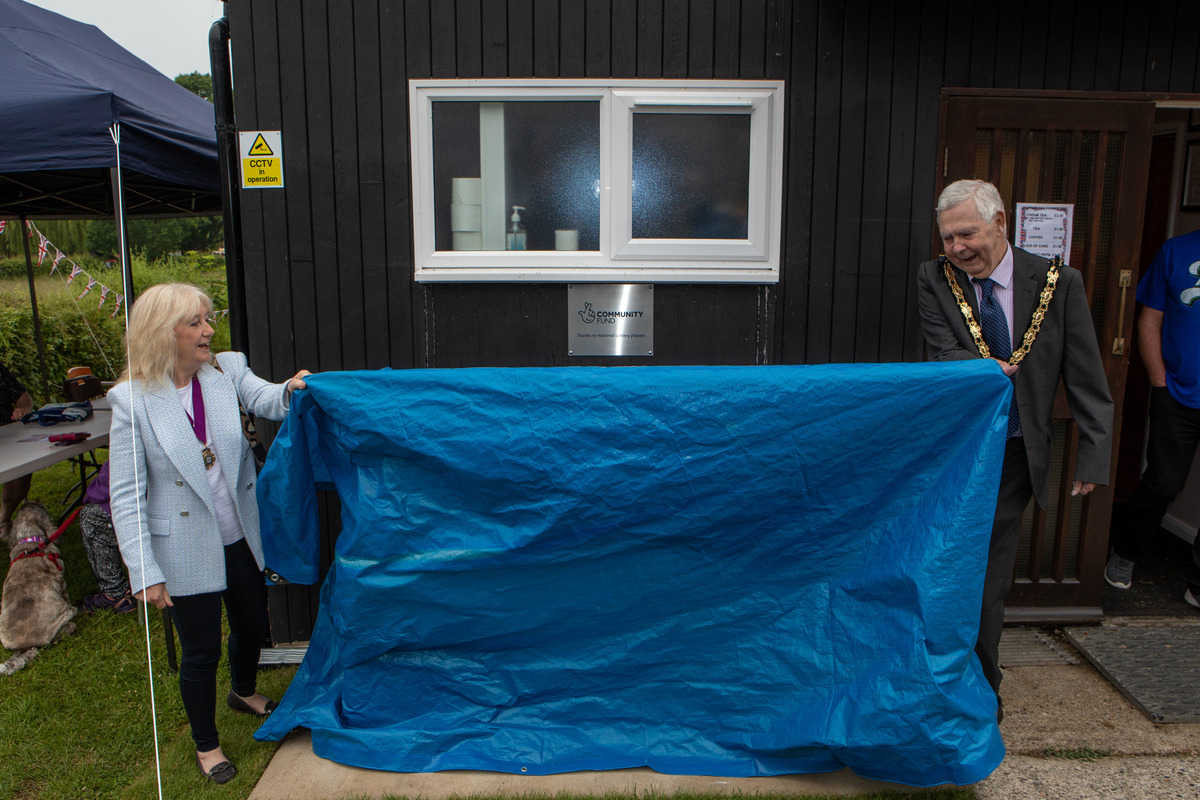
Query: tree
(199, 84)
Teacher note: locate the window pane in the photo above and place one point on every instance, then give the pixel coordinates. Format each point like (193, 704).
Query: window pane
(551, 167)
(691, 176)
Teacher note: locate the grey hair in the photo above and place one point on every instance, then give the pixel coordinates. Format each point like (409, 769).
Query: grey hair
(987, 198)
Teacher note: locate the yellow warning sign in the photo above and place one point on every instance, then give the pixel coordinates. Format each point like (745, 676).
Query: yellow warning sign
(260, 147)
(262, 159)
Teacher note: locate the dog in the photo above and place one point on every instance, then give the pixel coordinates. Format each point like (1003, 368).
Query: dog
(34, 608)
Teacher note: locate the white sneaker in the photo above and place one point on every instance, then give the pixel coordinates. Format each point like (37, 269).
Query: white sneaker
(1191, 599)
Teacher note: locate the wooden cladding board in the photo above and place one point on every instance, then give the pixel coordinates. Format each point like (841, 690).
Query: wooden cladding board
(329, 258)
(329, 261)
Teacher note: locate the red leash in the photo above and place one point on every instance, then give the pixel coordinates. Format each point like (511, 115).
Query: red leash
(40, 549)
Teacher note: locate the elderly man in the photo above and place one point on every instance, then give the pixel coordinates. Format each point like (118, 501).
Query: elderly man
(977, 302)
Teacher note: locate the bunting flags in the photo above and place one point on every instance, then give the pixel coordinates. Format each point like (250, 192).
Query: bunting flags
(3, 222)
(91, 282)
(76, 271)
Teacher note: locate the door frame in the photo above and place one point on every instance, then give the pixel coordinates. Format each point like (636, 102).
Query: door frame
(1092, 558)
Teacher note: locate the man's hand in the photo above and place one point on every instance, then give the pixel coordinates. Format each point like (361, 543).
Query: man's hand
(1009, 369)
(156, 594)
(1081, 488)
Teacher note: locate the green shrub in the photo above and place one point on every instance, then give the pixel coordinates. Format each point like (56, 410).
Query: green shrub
(77, 332)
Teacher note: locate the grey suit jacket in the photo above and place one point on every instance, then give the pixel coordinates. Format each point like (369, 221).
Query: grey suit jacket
(162, 505)
(1065, 349)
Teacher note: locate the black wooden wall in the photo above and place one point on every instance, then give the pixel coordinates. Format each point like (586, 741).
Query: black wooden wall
(329, 258)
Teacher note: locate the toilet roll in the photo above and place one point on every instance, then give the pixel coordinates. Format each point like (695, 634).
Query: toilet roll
(465, 217)
(468, 240)
(566, 240)
(466, 191)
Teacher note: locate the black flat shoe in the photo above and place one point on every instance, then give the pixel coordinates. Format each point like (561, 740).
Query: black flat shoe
(221, 773)
(238, 704)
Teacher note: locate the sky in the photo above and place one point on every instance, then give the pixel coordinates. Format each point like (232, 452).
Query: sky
(170, 35)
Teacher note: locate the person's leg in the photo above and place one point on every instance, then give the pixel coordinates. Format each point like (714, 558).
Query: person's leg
(246, 609)
(11, 496)
(103, 555)
(1193, 578)
(197, 620)
(1016, 488)
(1174, 434)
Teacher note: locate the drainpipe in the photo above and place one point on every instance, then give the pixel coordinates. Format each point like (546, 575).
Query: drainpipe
(231, 201)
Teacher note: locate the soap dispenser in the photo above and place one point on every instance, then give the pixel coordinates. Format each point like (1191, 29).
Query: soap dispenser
(516, 230)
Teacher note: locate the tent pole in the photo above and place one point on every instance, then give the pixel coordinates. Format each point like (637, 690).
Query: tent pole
(114, 180)
(222, 79)
(37, 322)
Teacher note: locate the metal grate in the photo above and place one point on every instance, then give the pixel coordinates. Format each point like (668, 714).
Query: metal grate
(1024, 647)
(1156, 666)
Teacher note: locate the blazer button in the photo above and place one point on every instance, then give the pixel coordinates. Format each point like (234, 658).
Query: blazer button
(183, 513)
(178, 482)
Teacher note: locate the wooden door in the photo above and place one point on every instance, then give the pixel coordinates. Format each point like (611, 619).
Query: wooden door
(1094, 154)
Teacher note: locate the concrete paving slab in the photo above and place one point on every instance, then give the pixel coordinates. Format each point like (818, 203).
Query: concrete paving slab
(1056, 717)
(296, 772)
(1139, 778)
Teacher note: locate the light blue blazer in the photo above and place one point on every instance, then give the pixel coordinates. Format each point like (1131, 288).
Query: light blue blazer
(162, 505)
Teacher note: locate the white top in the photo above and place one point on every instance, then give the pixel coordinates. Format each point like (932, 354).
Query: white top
(227, 519)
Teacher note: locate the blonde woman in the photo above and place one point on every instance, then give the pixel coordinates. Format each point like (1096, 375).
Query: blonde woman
(183, 500)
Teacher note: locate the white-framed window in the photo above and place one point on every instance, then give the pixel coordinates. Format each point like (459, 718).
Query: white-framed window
(612, 180)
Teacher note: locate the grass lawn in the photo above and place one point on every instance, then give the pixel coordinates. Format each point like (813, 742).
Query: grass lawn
(77, 723)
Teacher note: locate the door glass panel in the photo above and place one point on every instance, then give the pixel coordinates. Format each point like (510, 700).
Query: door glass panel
(691, 176)
(983, 153)
(1108, 208)
(1008, 165)
(1035, 159)
(548, 162)
(1058, 182)
(1083, 199)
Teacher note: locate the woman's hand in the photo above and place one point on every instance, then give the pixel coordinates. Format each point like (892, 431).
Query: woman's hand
(297, 381)
(156, 594)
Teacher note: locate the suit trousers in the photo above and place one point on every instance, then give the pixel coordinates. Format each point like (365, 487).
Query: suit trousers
(197, 618)
(1016, 489)
(1174, 437)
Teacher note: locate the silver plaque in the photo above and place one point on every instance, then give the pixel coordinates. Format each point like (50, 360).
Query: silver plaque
(610, 319)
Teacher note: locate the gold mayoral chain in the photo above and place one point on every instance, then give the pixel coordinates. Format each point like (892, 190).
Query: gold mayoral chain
(1035, 324)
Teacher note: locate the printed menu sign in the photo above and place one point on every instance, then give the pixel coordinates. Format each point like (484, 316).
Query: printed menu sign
(1044, 229)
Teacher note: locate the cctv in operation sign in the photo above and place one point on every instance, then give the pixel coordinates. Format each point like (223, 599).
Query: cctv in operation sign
(262, 159)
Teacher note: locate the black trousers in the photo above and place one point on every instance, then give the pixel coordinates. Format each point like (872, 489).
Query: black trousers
(197, 618)
(1174, 436)
(1016, 488)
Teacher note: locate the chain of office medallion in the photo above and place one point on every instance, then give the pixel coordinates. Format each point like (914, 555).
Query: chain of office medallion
(1035, 324)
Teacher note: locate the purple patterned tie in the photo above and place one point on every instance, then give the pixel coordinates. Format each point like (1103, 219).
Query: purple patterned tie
(996, 334)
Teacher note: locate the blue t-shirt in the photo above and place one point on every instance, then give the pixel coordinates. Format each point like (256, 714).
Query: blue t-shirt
(1172, 286)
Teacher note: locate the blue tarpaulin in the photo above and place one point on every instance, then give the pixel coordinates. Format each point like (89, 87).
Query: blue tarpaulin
(705, 570)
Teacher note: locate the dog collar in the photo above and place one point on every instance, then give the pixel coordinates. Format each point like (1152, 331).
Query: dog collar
(31, 540)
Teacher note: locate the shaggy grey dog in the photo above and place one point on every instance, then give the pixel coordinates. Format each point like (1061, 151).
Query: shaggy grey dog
(34, 609)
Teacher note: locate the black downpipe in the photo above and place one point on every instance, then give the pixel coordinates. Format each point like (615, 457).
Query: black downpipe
(231, 199)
